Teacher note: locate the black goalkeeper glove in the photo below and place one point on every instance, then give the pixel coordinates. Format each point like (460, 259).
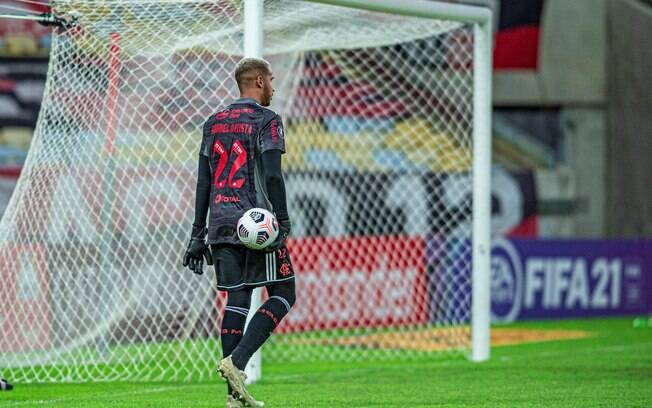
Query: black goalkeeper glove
(284, 228)
(197, 251)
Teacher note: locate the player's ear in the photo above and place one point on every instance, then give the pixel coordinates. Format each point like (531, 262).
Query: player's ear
(260, 81)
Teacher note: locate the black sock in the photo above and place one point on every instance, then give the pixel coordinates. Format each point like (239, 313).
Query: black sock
(233, 322)
(261, 326)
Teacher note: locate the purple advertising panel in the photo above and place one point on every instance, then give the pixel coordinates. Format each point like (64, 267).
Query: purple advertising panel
(536, 279)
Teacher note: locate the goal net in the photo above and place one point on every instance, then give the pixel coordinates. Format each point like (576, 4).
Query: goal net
(378, 110)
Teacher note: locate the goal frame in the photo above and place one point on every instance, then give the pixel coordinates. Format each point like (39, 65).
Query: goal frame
(481, 18)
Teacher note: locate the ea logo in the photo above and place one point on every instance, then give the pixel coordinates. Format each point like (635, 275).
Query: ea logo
(506, 282)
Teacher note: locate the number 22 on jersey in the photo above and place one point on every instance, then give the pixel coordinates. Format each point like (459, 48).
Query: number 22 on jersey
(239, 154)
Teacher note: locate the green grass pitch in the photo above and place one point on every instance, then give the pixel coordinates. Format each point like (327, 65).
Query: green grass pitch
(611, 368)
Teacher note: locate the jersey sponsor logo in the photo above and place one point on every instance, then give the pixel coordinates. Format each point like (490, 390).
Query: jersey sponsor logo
(220, 198)
(232, 113)
(245, 128)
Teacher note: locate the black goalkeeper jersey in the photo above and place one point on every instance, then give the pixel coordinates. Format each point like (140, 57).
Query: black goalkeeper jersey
(234, 140)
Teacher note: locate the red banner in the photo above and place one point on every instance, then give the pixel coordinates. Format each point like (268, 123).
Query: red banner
(518, 36)
(358, 282)
(24, 299)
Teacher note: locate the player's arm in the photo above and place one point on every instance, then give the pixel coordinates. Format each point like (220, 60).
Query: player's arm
(276, 193)
(272, 147)
(202, 197)
(197, 249)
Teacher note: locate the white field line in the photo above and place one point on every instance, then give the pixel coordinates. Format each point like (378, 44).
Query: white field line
(72, 400)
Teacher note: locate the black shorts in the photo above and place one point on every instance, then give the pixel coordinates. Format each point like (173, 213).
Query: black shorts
(237, 267)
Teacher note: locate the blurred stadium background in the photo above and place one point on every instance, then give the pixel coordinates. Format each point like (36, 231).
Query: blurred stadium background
(571, 124)
(572, 141)
(570, 121)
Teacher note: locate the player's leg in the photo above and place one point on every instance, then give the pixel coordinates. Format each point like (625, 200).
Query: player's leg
(261, 326)
(233, 323)
(229, 262)
(267, 318)
(234, 318)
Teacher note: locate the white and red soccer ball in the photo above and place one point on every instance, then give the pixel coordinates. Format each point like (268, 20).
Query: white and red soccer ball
(257, 228)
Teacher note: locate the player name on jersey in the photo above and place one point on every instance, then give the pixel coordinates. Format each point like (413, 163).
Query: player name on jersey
(245, 128)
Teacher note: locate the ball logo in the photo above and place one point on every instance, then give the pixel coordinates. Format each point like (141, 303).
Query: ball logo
(262, 237)
(257, 216)
(506, 282)
(243, 232)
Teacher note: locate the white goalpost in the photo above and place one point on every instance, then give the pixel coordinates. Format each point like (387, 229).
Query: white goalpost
(387, 113)
(481, 17)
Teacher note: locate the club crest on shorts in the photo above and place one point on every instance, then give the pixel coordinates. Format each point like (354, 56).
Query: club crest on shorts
(285, 269)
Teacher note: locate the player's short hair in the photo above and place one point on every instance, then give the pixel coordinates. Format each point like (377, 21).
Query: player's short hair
(249, 68)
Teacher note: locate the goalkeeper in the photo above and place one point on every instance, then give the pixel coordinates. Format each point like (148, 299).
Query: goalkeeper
(239, 169)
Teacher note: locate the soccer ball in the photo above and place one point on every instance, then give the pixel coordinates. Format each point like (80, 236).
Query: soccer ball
(257, 228)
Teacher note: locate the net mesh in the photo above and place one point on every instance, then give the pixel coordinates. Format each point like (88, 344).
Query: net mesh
(378, 116)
